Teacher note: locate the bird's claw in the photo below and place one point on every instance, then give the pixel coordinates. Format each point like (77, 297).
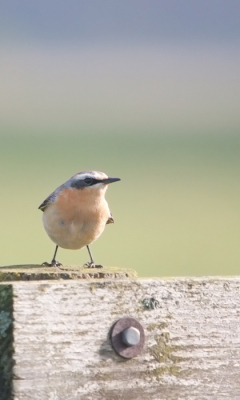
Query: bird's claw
(54, 263)
(92, 265)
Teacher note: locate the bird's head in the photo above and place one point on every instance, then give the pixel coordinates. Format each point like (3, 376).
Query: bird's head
(92, 180)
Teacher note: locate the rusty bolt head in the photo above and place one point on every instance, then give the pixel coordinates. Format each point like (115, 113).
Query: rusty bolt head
(127, 337)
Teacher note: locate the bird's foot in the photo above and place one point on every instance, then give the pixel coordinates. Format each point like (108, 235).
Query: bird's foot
(92, 265)
(54, 263)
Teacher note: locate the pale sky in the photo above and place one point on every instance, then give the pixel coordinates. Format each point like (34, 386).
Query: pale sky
(124, 21)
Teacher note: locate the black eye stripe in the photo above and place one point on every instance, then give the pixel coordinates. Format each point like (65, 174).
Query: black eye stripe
(82, 183)
(91, 181)
(88, 181)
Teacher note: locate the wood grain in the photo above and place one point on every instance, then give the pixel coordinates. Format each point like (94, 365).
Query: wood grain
(62, 350)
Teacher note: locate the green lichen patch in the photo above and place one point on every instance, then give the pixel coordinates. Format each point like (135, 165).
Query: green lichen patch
(166, 370)
(158, 325)
(103, 377)
(164, 351)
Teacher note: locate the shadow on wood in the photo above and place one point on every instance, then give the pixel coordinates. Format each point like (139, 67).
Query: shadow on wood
(6, 341)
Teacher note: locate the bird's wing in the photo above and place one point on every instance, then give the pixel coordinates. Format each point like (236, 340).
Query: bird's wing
(110, 220)
(50, 199)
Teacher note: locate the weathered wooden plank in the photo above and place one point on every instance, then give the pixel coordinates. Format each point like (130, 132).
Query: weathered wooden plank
(62, 349)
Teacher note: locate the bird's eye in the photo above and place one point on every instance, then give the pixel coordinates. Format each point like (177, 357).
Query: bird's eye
(88, 181)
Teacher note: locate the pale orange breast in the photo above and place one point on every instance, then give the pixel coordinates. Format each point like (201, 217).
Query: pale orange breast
(76, 218)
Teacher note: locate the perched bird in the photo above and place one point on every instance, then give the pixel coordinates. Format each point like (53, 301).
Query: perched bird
(76, 213)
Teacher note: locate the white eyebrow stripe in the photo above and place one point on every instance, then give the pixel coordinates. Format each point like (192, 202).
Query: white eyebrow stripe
(92, 174)
(83, 176)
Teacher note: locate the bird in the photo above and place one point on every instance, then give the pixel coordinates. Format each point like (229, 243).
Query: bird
(76, 213)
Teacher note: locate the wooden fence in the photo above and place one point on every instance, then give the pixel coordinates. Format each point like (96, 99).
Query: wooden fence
(55, 336)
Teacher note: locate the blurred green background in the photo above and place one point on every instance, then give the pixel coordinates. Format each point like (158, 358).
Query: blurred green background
(148, 92)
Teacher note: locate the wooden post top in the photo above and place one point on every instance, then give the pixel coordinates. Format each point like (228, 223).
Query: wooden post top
(36, 272)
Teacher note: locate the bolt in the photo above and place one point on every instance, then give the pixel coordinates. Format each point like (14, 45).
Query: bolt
(127, 337)
(131, 336)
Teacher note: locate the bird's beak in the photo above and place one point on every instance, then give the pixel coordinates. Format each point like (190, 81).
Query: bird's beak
(110, 180)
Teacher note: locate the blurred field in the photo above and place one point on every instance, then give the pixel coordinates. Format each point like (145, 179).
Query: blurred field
(176, 209)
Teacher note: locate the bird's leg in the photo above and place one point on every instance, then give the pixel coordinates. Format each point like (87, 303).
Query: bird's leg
(91, 264)
(90, 255)
(54, 262)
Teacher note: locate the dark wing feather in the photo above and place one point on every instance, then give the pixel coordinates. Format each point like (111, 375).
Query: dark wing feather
(50, 199)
